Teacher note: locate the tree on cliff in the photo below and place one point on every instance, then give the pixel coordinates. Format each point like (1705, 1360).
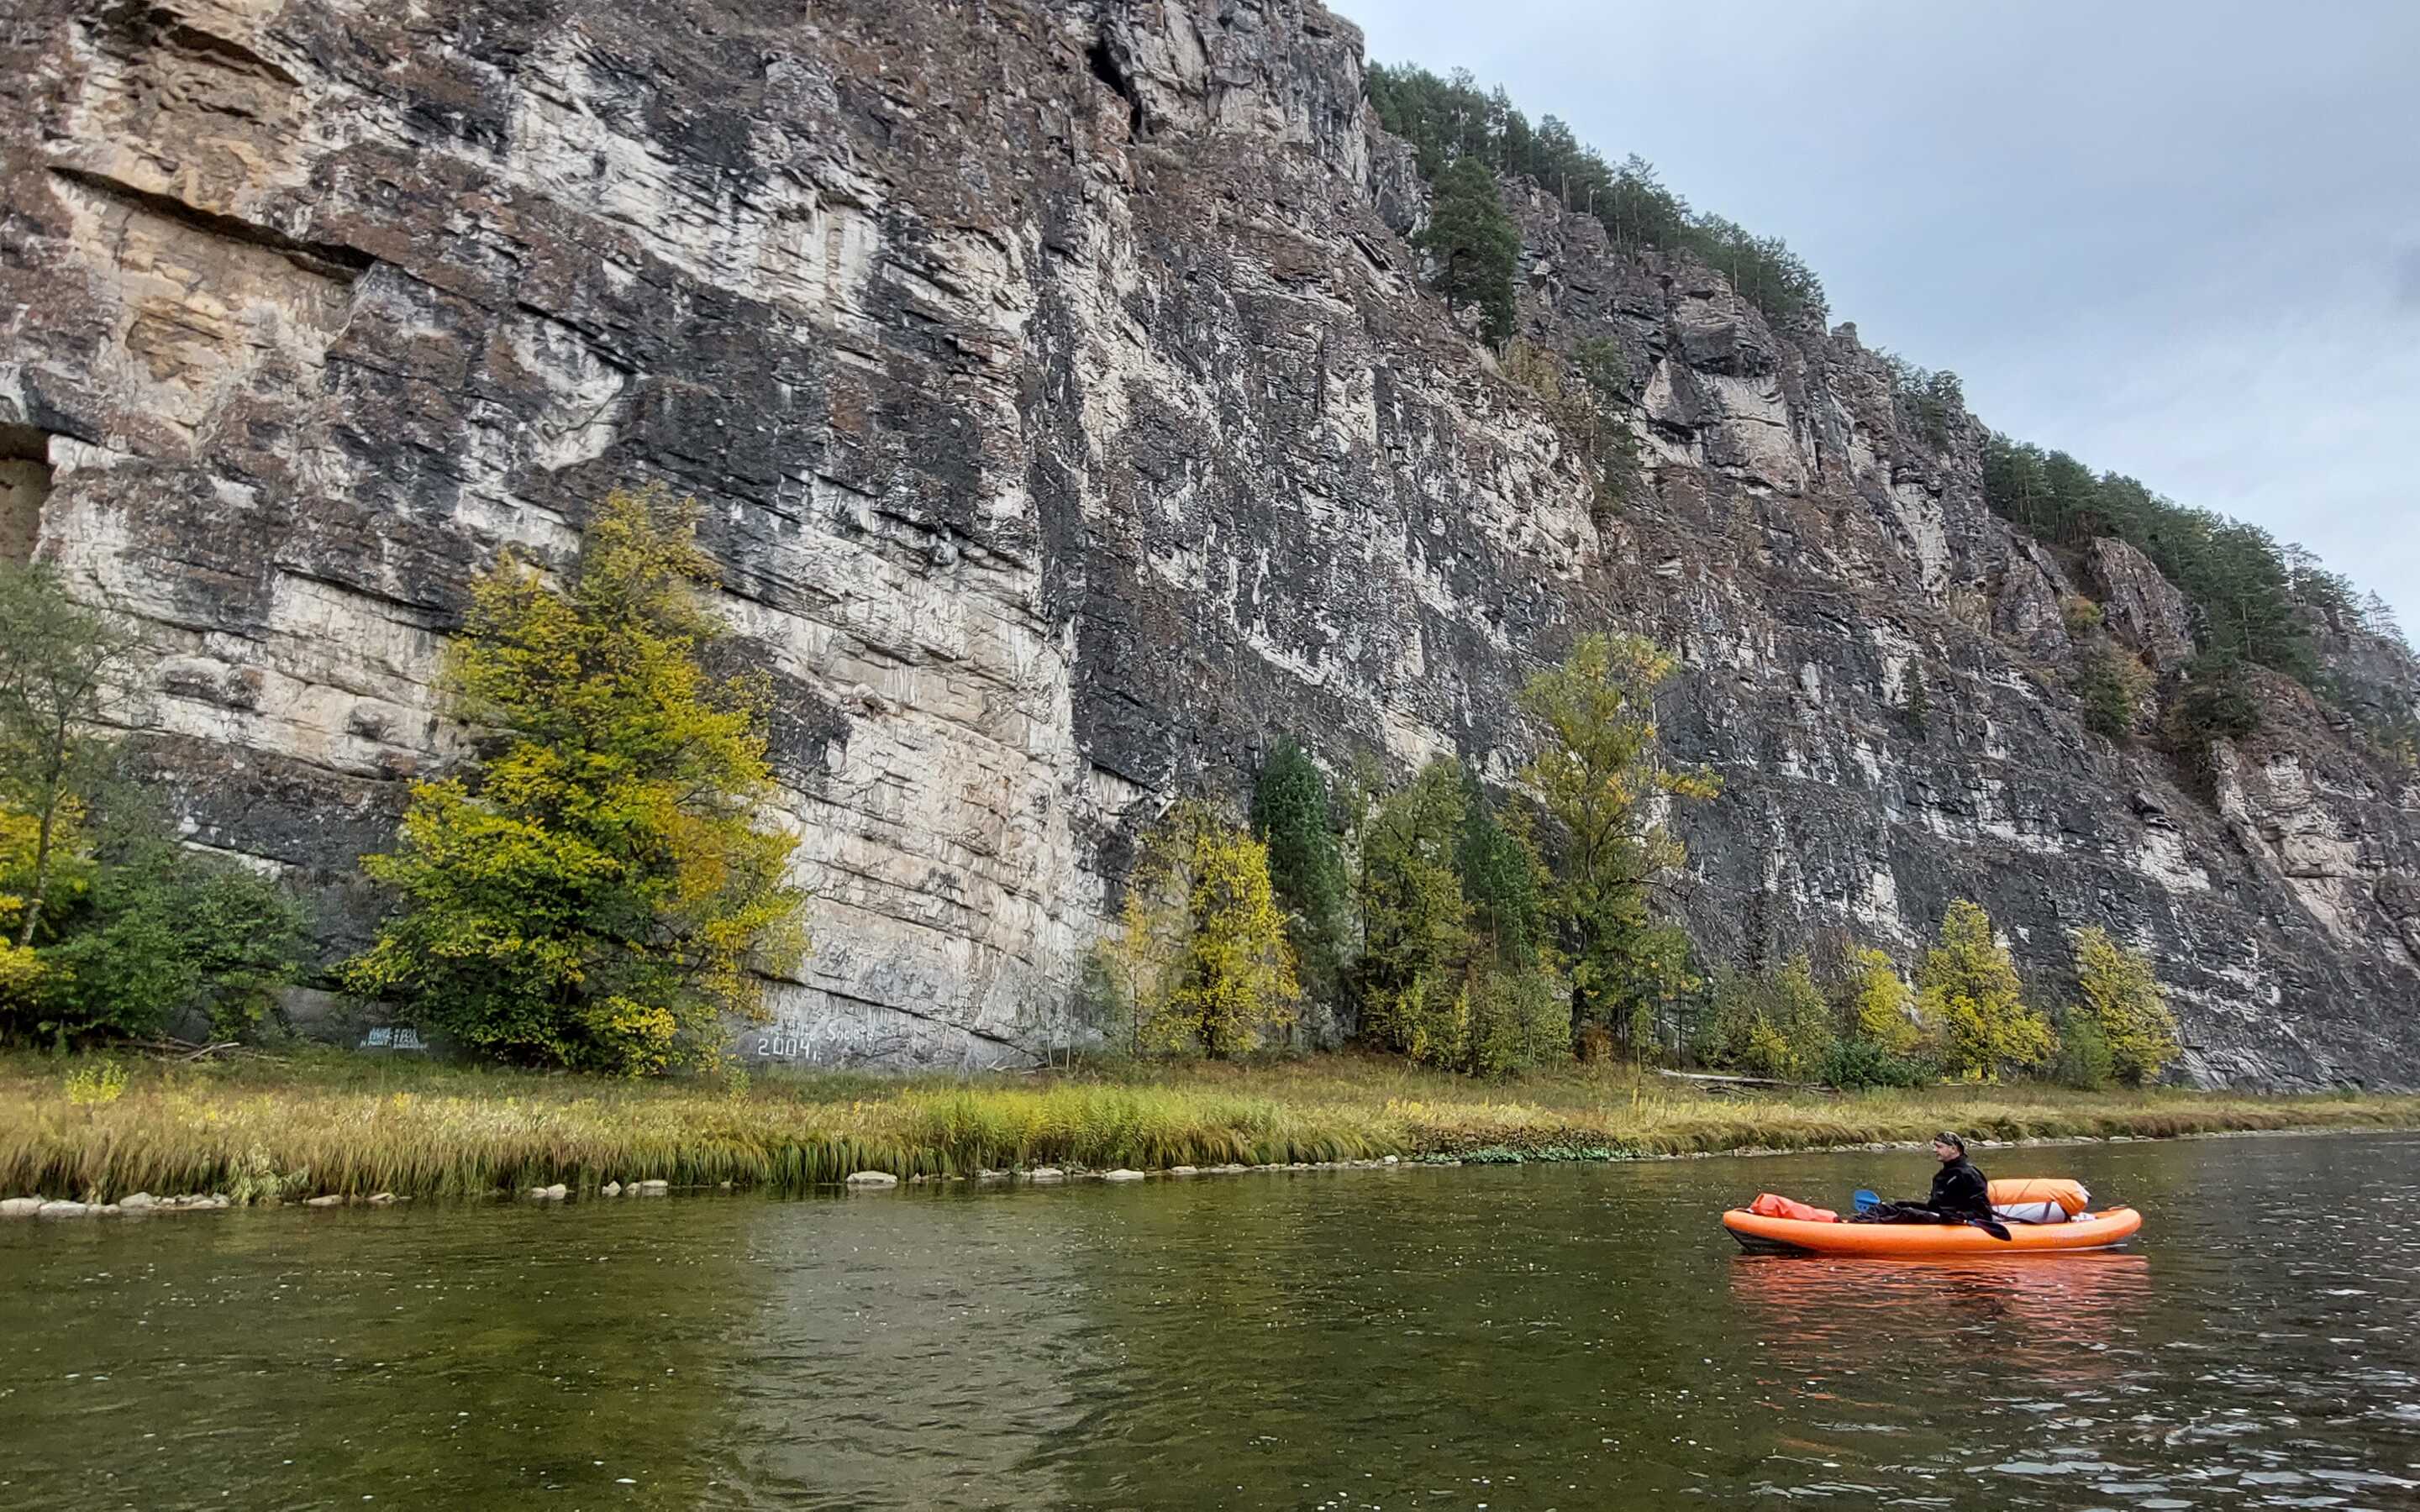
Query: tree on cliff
(1602, 779)
(1477, 243)
(2120, 994)
(596, 890)
(1204, 954)
(1968, 988)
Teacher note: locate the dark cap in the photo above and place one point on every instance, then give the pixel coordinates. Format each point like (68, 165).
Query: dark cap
(1945, 1137)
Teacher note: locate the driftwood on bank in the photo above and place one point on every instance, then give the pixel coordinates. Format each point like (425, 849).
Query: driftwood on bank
(1718, 1084)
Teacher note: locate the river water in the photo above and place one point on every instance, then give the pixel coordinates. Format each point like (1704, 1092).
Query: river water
(1499, 1338)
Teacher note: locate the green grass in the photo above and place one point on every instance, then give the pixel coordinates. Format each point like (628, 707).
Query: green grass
(330, 1122)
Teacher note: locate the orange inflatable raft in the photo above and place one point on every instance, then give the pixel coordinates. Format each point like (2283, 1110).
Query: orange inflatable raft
(2074, 1230)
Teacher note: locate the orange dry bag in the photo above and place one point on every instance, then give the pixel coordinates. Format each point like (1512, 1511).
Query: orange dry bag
(2039, 1200)
(1769, 1205)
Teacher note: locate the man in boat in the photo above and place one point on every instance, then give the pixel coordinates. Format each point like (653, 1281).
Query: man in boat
(1960, 1192)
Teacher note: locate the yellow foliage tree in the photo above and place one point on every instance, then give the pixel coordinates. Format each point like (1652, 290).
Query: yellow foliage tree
(2123, 996)
(69, 875)
(1881, 1001)
(1204, 953)
(1969, 988)
(599, 892)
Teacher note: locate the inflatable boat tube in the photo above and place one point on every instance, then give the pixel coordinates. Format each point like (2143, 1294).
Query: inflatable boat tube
(1759, 1235)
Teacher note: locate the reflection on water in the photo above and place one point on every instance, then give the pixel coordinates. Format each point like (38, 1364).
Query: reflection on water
(1527, 1338)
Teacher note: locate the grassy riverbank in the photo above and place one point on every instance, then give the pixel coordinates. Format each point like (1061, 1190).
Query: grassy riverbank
(328, 1124)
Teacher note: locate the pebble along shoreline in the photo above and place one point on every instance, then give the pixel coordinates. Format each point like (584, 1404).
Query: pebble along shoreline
(144, 1205)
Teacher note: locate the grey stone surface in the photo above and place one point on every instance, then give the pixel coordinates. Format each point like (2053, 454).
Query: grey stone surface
(1071, 425)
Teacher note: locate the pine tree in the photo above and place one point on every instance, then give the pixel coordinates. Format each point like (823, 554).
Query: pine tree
(597, 893)
(1292, 816)
(1477, 243)
(1919, 701)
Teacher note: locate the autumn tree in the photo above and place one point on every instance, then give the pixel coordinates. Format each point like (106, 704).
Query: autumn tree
(1601, 778)
(1880, 1006)
(598, 888)
(1206, 966)
(2120, 994)
(1969, 988)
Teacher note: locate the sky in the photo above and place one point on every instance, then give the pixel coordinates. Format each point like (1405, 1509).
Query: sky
(2179, 239)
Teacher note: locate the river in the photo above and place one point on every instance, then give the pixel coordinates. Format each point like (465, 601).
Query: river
(1485, 1336)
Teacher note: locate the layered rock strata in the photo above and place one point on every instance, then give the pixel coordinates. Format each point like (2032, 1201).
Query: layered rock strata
(1071, 422)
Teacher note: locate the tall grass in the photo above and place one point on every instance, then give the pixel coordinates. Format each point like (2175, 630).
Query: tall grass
(343, 1125)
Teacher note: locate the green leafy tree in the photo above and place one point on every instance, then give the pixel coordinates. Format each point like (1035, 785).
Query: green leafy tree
(1500, 881)
(1773, 1024)
(1601, 778)
(2122, 1000)
(598, 890)
(1969, 988)
(1416, 924)
(1514, 1018)
(163, 929)
(2082, 1061)
(1476, 243)
(56, 659)
(1292, 816)
(1203, 951)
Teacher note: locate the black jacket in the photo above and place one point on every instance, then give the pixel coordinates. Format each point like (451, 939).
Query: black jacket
(1960, 1191)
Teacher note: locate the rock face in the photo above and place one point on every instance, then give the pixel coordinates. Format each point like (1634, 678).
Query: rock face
(1071, 423)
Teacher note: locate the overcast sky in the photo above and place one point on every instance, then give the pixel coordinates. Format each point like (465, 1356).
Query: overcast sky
(2180, 239)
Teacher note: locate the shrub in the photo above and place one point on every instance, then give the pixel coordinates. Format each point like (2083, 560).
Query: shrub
(163, 929)
(1517, 1018)
(1770, 1024)
(95, 1084)
(1855, 1062)
(2083, 1061)
(2111, 686)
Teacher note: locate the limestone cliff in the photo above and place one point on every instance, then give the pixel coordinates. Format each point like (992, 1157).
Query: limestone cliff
(1072, 422)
